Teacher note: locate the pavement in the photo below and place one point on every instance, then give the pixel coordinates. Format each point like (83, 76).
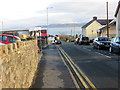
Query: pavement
(52, 73)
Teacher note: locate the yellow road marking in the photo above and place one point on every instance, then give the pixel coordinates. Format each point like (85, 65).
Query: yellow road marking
(80, 78)
(73, 78)
(87, 79)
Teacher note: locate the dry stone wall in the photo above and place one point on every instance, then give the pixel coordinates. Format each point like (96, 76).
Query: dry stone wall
(19, 63)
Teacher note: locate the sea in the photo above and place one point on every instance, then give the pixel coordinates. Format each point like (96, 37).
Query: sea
(64, 30)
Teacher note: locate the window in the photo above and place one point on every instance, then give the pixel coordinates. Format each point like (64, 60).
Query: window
(95, 39)
(103, 39)
(0, 38)
(3, 38)
(11, 39)
(85, 38)
(117, 40)
(114, 40)
(43, 31)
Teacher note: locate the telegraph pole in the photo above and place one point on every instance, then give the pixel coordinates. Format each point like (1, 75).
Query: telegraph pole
(47, 19)
(107, 20)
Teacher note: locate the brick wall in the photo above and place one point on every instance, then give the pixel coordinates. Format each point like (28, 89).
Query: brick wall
(19, 63)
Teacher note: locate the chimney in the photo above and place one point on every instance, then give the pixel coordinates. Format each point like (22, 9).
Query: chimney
(94, 18)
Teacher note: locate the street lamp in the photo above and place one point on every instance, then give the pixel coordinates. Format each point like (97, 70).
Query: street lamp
(47, 16)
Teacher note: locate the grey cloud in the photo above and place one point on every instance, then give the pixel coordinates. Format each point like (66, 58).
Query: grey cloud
(82, 10)
(73, 7)
(64, 12)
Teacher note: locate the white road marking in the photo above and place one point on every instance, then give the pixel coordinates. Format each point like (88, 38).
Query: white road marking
(103, 55)
(97, 52)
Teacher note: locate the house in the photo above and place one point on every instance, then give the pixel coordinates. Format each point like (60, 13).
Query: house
(102, 32)
(90, 29)
(117, 15)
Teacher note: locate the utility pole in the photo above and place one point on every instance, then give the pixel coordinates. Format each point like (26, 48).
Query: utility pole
(47, 19)
(107, 20)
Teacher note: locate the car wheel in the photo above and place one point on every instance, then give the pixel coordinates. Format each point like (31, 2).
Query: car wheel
(110, 50)
(98, 47)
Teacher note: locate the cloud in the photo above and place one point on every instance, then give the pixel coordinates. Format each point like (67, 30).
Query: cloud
(29, 13)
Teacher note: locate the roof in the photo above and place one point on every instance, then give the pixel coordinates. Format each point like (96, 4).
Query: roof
(105, 27)
(101, 21)
(118, 7)
(87, 24)
(14, 30)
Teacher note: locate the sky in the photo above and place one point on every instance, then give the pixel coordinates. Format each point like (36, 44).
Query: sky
(29, 13)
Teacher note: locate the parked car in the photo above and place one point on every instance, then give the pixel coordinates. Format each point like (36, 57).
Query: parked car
(115, 45)
(77, 41)
(7, 39)
(84, 40)
(58, 42)
(101, 42)
(51, 40)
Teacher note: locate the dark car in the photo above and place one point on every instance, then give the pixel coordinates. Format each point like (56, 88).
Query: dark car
(58, 42)
(84, 40)
(77, 41)
(101, 42)
(115, 45)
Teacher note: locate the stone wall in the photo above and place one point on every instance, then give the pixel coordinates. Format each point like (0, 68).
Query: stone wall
(19, 64)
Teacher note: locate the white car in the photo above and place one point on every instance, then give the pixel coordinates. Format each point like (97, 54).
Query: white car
(51, 39)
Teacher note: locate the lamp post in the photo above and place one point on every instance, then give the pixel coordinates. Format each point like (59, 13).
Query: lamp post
(107, 19)
(47, 16)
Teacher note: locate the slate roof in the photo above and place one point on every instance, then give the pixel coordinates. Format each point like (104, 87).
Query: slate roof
(118, 7)
(112, 23)
(101, 21)
(87, 24)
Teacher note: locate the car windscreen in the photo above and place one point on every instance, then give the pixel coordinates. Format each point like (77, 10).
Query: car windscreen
(103, 39)
(11, 39)
(119, 39)
(85, 38)
(3, 38)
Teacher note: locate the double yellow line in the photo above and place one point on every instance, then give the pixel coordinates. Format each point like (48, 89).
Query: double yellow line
(77, 70)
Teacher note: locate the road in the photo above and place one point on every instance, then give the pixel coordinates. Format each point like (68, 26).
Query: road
(100, 66)
(77, 66)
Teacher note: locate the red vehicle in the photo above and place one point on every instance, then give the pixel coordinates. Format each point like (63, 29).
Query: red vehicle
(7, 39)
(44, 33)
